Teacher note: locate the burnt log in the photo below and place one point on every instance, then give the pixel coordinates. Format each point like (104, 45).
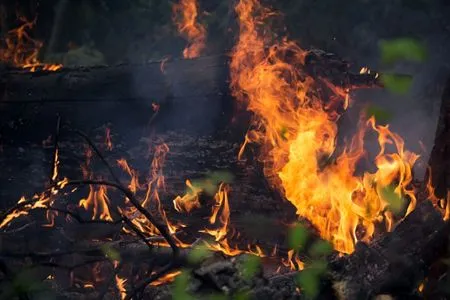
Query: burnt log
(439, 159)
(395, 263)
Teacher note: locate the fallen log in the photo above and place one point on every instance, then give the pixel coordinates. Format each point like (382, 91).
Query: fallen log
(439, 161)
(153, 81)
(395, 263)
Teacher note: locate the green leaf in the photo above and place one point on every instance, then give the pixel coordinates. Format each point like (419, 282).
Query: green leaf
(318, 267)
(251, 266)
(217, 297)
(381, 115)
(309, 283)
(180, 285)
(283, 133)
(198, 254)
(321, 248)
(298, 237)
(222, 176)
(241, 295)
(397, 203)
(110, 252)
(402, 49)
(398, 84)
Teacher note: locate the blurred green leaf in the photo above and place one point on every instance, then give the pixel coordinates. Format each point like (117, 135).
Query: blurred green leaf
(381, 115)
(110, 252)
(396, 202)
(218, 297)
(241, 295)
(398, 84)
(402, 49)
(251, 266)
(318, 267)
(180, 285)
(198, 254)
(283, 133)
(222, 176)
(298, 237)
(308, 282)
(210, 184)
(321, 248)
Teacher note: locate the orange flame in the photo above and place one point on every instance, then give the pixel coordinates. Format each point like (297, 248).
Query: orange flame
(98, 202)
(170, 277)
(108, 142)
(120, 284)
(185, 17)
(297, 132)
(22, 50)
(189, 201)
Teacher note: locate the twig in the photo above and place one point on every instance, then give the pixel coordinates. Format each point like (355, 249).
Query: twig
(54, 170)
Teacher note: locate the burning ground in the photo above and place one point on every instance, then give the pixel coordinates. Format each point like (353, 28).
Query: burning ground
(274, 202)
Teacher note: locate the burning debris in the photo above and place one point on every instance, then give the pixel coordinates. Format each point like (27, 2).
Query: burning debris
(353, 227)
(21, 50)
(185, 15)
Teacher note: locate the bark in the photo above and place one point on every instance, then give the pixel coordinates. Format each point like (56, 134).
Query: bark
(395, 263)
(439, 159)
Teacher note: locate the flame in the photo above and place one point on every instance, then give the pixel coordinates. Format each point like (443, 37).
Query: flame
(134, 185)
(120, 284)
(221, 204)
(189, 201)
(297, 132)
(293, 261)
(185, 17)
(170, 277)
(22, 50)
(98, 202)
(108, 142)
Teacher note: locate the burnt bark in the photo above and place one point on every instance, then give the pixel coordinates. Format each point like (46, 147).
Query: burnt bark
(439, 159)
(395, 263)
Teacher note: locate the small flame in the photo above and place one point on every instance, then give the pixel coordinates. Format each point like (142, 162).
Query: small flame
(98, 202)
(120, 284)
(170, 277)
(189, 201)
(185, 17)
(108, 142)
(22, 50)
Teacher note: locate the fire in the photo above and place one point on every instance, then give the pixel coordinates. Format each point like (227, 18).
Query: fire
(98, 202)
(22, 50)
(120, 284)
(185, 16)
(189, 201)
(297, 132)
(108, 142)
(222, 206)
(170, 277)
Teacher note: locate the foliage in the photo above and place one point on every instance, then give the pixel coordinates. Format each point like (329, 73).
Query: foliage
(380, 114)
(251, 266)
(298, 237)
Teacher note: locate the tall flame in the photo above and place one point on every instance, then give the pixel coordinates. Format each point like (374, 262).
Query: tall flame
(297, 133)
(185, 15)
(22, 50)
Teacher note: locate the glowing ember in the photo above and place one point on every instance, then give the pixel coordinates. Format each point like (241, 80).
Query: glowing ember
(297, 132)
(185, 17)
(22, 50)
